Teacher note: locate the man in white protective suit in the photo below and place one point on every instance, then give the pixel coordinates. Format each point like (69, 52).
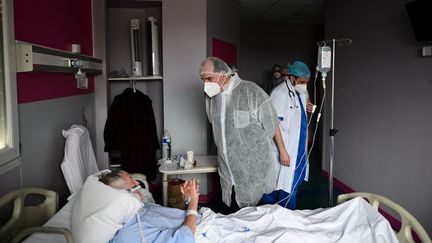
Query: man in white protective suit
(244, 123)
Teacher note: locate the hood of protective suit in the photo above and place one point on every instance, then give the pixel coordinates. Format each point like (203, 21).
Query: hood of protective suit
(232, 83)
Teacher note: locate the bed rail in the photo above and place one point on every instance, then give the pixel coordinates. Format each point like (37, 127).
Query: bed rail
(27, 216)
(46, 230)
(409, 223)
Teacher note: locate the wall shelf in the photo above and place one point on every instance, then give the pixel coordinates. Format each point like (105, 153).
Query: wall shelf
(136, 78)
(37, 58)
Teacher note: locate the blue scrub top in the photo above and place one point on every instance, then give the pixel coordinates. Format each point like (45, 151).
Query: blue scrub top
(301, 153)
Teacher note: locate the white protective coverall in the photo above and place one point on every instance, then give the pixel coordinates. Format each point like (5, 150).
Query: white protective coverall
(244, 124)
(79, 160)
(289, 113)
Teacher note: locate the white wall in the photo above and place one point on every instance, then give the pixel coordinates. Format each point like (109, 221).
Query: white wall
(10, 177)
(383, 99)
(100, 81)
(42, 142)
(188, 29)
(184, 47)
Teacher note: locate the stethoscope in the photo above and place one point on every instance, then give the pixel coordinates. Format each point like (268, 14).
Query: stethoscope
(292, 96)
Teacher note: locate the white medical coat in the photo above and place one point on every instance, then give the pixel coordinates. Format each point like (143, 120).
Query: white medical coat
(289, 113)
(79, 160)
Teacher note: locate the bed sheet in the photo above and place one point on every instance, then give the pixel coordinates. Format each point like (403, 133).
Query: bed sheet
(352, 221)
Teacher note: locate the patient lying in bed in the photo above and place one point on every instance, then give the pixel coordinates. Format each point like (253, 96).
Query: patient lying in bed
(353, 221)
(158, 224)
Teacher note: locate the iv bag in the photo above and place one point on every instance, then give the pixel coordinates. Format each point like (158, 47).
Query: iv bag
(324, 59)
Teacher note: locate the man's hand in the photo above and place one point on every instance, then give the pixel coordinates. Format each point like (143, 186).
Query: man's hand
(309, 106)
(284, 158)
(190, 189)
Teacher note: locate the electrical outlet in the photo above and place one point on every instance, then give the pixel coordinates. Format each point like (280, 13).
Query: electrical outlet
(427, 51)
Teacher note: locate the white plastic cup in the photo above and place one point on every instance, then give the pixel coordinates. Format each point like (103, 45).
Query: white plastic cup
(76, 48)
(189, 156)
(188, 165)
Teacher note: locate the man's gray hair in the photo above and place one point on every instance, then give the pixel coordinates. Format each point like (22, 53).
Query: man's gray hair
(219, 66)
(113, 178)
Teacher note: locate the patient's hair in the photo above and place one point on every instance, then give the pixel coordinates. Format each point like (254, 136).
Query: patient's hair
(113, 178)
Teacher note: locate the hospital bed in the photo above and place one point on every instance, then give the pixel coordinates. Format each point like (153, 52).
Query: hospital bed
(408, 222)
(41, 221)
(57, 229)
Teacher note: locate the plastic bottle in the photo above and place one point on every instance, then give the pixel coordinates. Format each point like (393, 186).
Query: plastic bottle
(166, 145)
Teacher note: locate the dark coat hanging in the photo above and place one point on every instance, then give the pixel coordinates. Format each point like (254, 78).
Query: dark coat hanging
(131, 130)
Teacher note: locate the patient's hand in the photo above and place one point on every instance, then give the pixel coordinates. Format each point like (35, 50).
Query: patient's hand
(190, 189)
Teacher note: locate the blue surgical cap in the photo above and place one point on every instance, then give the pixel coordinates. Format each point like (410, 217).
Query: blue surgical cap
(299, 69)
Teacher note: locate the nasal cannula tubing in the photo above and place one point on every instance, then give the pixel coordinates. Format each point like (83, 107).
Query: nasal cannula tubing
(143, 240)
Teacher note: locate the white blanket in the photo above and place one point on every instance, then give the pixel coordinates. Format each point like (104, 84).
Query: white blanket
(352, 221)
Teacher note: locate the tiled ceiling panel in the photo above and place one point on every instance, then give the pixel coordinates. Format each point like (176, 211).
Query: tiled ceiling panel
(282, 11)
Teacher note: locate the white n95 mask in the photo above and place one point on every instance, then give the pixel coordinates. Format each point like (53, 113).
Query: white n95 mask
(301, 88)
(211, 89)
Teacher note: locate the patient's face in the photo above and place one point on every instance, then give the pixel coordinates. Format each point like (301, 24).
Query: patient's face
(129, 182)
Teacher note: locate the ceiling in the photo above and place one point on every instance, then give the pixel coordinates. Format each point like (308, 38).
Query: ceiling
(282, 11)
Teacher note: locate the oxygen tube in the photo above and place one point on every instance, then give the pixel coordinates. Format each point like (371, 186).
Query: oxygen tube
(143, 240)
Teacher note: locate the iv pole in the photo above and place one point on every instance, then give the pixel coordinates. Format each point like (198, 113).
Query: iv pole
(333, 131)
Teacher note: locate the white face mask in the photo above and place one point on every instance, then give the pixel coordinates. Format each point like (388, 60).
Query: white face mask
(211, 89)
(301, 88)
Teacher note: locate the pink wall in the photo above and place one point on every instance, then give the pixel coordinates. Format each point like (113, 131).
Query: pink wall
(224, 50)
(55, 24)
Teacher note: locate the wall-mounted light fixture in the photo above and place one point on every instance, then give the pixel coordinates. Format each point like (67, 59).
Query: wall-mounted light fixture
(36, 58)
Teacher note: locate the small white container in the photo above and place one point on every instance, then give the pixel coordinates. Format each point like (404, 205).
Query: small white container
(190, 156)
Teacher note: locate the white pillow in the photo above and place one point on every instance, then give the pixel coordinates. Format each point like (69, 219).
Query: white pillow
(100, 210)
